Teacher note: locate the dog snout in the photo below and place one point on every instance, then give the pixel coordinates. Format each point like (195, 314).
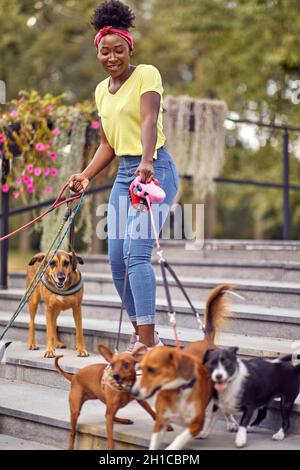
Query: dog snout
(135, 391)
(219, 376)
(116, 377)
(61, 276)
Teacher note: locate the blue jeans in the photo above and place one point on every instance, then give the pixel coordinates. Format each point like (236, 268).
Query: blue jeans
(124, 222)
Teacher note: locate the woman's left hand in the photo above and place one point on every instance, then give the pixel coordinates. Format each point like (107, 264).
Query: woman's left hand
(145, 171)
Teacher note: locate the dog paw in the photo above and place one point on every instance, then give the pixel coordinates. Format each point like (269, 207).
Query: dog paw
(170, 428)
(279, 435)
(60, 345)
(203, 434)
(82, 353)
(49, 353)
(33, 347)
(232, 426)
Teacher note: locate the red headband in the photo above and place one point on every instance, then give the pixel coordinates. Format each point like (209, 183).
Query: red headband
(110, 30)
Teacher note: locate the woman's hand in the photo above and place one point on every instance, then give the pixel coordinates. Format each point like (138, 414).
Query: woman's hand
(78, 182)
(145, 171)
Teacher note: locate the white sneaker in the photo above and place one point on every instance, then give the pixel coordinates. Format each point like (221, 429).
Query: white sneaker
(133, 340)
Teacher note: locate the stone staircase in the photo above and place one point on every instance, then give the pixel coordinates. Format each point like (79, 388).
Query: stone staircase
(34, 403)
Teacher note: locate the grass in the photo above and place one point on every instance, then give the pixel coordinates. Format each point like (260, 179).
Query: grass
(18, 260)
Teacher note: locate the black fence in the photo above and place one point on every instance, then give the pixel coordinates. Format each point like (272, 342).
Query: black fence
(283, 186)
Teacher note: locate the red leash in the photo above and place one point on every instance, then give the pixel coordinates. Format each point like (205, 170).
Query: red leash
(55, 205)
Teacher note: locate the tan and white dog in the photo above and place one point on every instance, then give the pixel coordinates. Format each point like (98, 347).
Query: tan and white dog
(184, 391)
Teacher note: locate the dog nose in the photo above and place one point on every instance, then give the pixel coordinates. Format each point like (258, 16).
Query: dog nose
(218, 376)
(116, 376)
(135, 391)
(61, 277)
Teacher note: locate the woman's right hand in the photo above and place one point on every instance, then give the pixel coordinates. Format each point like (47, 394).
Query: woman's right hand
(78, 182)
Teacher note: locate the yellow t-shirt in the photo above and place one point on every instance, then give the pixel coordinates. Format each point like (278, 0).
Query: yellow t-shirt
(120, 112)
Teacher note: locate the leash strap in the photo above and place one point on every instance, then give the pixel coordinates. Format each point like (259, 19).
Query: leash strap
(181, 287)
(124, 293)
(171, 312)
(55, 205)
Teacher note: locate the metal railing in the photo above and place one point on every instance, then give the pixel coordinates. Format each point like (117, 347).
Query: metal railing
(284, 186)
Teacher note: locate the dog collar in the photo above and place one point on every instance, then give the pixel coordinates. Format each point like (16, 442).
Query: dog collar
(187, 385)
(73, 289)
(108, 379)
(179, 389)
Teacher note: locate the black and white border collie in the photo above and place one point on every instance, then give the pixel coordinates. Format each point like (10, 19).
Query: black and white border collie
(241, 387)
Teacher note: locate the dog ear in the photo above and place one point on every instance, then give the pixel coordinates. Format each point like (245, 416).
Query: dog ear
(37, 258)
(105, 352)
(140, 353)
(78, 258)
(233, 350)
(186, 367)
(207, 356)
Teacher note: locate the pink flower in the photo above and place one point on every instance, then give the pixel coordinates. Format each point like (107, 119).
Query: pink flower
(53, 172)
(2, 138)
(21, 99)
(46, 146)
(37, 171)
(48, 190)
(30, 188)
(26, 179)
(46, 171)
(51, 141)
(5, 188)
(95, 125)
(14, 113)
(53, 155)
(16, 194)
(49, 107)
(56, 131)
(39, 146)
(19, 180)
(30, 168)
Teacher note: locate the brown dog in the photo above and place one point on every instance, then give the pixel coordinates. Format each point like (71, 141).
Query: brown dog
(184, 391)
(109, 383)
(60, 277)
(181, 380)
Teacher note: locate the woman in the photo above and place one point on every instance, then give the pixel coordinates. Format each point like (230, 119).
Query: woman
(129, 104)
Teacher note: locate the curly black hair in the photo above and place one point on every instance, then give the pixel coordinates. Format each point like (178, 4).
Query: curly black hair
(113, 13)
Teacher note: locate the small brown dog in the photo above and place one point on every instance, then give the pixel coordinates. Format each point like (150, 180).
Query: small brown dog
(111, 383)
(63, 291)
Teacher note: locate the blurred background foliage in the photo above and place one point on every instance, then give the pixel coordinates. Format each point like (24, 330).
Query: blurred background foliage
(246, 52)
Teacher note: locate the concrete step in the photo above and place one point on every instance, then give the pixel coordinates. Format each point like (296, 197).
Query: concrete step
(105, 332)
(234, 249)
(254, 319)
(14, 443)
(43, 415)
(265, 293)
(199, 268)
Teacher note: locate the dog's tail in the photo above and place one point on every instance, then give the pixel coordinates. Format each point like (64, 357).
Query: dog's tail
(60, 370)
(217, 310)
